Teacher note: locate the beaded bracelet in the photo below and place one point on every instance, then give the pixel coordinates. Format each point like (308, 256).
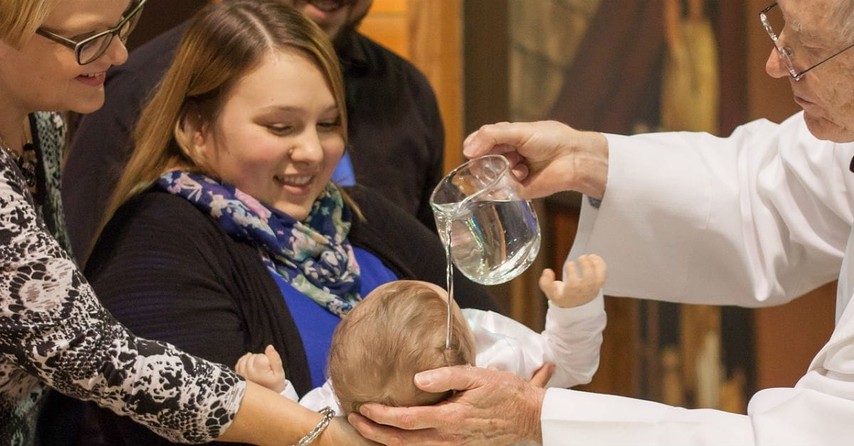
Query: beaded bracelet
(328, 413)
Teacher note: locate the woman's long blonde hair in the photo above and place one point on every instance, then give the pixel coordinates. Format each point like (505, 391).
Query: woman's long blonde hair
(222, 44)
(19, 19)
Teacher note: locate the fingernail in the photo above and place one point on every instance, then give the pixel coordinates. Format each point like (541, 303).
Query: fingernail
(424, 378)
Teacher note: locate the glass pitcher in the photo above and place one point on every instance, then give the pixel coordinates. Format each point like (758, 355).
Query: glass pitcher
(493, 234)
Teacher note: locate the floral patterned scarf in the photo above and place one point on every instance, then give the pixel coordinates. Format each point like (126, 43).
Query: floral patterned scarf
(313, 255)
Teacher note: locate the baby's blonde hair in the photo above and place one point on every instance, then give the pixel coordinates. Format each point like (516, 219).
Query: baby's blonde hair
(396, 332)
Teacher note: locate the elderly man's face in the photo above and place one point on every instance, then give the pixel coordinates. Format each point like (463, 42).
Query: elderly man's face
(826, 94)
(333, 15)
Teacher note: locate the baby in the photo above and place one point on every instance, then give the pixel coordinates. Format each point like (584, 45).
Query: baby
(399, 330)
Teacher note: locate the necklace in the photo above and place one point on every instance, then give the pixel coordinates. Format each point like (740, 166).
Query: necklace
(26, 161)
(8, 148)
(4, 144)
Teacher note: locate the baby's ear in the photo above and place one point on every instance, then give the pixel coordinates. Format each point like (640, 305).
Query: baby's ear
(354, 407)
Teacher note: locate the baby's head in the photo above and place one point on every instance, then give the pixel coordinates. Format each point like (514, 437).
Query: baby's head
(397, 331)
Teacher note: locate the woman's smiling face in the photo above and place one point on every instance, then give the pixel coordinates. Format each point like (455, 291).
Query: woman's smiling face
(45, 75)
(278, 136)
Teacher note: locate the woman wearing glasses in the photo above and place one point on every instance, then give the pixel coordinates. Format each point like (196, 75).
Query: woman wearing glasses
(53, 332)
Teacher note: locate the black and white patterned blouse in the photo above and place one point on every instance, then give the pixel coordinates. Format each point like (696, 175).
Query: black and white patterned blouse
(53, 330)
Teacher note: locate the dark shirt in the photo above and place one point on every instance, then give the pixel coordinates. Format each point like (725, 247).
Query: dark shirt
(395, 130)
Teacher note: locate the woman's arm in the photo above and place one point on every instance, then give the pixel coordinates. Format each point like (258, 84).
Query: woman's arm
(266, 418)
(163, 270)
(54, 329)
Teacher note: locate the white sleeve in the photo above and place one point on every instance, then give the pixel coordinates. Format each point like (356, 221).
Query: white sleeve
(320, 397)
(575, 337)
(755, 219)
(574, 417)
(571, 340)
(506, 344)
(818, 410)
(289, 392)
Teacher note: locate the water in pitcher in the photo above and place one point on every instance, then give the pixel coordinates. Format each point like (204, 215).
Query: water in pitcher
(490, 242)
(490, 234)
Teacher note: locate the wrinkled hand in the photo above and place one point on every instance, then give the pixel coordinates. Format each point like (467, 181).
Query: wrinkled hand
(490, 408)
(546, 156)
(263, 368)
(582, 281)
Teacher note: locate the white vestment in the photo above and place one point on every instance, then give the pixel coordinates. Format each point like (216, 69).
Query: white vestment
(755, 219)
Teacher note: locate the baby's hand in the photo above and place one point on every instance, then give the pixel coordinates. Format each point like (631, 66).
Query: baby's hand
(263, 368)
(582, 281)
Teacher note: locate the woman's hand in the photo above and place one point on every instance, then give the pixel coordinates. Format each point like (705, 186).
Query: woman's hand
(546, 156)
(267, 418)
(491, 407)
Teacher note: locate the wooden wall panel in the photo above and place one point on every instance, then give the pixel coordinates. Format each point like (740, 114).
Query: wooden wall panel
(435, 48)
(386, 23)
(427, 33)
(789, 336)
(620, 368)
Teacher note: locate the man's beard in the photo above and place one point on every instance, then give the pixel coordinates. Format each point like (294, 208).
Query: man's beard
(330, 5)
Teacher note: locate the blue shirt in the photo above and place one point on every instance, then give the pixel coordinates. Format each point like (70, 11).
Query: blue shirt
(315, 324)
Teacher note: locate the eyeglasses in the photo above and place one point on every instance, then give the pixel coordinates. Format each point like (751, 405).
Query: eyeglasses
(772, 17)
(93, 47)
